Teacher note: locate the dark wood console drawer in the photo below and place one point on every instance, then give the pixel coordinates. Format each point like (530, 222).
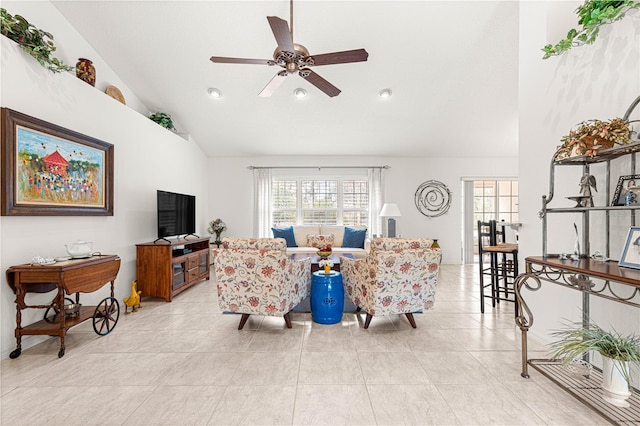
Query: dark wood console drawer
(193, 274)
(192, 261)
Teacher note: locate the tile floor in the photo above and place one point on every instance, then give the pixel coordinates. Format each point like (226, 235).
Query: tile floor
(185, 363)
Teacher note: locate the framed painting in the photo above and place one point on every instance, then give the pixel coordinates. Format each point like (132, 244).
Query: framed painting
(627, 191)
(630, 256)
(48, 170)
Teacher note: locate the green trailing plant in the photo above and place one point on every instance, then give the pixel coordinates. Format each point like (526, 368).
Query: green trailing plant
(574, 341)
(592, 15)
(36, 42)
(163, 119)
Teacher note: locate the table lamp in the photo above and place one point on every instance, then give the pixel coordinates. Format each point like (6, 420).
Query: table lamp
(390, 210)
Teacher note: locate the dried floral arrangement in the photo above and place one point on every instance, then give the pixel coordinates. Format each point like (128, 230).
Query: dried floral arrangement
(591, 136)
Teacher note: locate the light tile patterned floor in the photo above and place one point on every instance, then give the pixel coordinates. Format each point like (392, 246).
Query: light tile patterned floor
(185, 363)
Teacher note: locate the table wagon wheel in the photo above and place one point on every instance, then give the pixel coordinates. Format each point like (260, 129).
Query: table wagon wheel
(55, 308)
(106, 316)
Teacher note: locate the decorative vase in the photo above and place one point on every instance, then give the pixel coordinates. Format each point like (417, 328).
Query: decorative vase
(217, 241)
(324, 254)
(327, 269)
(435, 243)
(85, 71)
(615, 389)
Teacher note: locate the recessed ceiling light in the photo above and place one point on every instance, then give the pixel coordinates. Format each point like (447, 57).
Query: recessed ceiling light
(300, 93)
(385, 93)
(214, 93)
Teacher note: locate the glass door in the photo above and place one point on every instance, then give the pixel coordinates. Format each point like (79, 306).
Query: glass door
(485, 200)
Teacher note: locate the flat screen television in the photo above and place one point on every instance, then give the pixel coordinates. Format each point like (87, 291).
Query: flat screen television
(176, 214)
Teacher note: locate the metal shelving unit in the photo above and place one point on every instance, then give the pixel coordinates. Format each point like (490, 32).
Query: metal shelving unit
(587, 389)
(592, 278)
(604, 156)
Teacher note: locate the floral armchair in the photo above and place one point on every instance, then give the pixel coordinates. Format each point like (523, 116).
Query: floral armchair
(256, 277)
(399, 276)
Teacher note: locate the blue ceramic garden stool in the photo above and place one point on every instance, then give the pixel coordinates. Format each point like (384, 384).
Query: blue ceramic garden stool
(327, 297)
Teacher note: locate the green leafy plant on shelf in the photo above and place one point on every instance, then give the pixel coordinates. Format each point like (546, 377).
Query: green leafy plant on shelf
(163, 119)
(592, 16)
(36, 42)
(574, 341)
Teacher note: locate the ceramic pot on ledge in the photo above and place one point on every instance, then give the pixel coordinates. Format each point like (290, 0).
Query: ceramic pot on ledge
(85, 71)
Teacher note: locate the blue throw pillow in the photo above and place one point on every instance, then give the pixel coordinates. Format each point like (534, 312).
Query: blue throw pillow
(353, 237)
(287, 234)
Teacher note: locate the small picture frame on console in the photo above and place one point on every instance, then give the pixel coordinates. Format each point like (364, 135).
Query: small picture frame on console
(627, 191)
(630, 256)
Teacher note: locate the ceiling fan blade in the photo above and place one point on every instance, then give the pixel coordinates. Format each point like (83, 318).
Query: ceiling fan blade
(357, 55)
(320, 82)
(273, 85)
(281, 32)
(223, 60)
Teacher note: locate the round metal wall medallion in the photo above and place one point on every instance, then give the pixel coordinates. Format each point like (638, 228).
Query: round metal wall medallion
(433, 198)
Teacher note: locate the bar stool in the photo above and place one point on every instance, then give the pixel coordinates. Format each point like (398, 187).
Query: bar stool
(503, 264)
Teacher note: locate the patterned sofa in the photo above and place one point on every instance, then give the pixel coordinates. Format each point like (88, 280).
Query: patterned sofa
(399, 276)
(308, 238)
(257, 277)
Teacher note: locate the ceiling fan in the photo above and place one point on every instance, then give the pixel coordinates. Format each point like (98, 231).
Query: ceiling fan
(295, 57)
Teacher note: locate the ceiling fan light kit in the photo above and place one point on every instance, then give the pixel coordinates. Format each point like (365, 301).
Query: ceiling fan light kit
(294, 57)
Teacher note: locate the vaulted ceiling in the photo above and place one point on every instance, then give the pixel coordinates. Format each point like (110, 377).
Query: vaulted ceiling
(452, 67)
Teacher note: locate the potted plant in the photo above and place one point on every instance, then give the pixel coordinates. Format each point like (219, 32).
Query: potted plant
(617, 352)
(216, 227)
(591, 136)
(326, 264)
(163, 119)
(34, 41)
(592, 15)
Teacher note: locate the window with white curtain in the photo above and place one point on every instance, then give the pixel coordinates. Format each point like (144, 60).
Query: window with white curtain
(312, 200)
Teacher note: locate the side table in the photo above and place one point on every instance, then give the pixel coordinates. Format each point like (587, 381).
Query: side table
(327, 297)
(67, 277)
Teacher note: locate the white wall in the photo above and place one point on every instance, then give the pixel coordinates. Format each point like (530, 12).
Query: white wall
(147, 158)
(231, 191)
(596, 81)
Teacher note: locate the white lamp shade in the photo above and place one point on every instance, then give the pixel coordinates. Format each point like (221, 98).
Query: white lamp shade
(390, 210)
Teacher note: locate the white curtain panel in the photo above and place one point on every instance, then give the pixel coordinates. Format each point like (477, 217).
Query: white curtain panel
(262, 203)
(376, 185)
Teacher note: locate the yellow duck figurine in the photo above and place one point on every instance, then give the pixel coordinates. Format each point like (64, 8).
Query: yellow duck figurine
(133, 300)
